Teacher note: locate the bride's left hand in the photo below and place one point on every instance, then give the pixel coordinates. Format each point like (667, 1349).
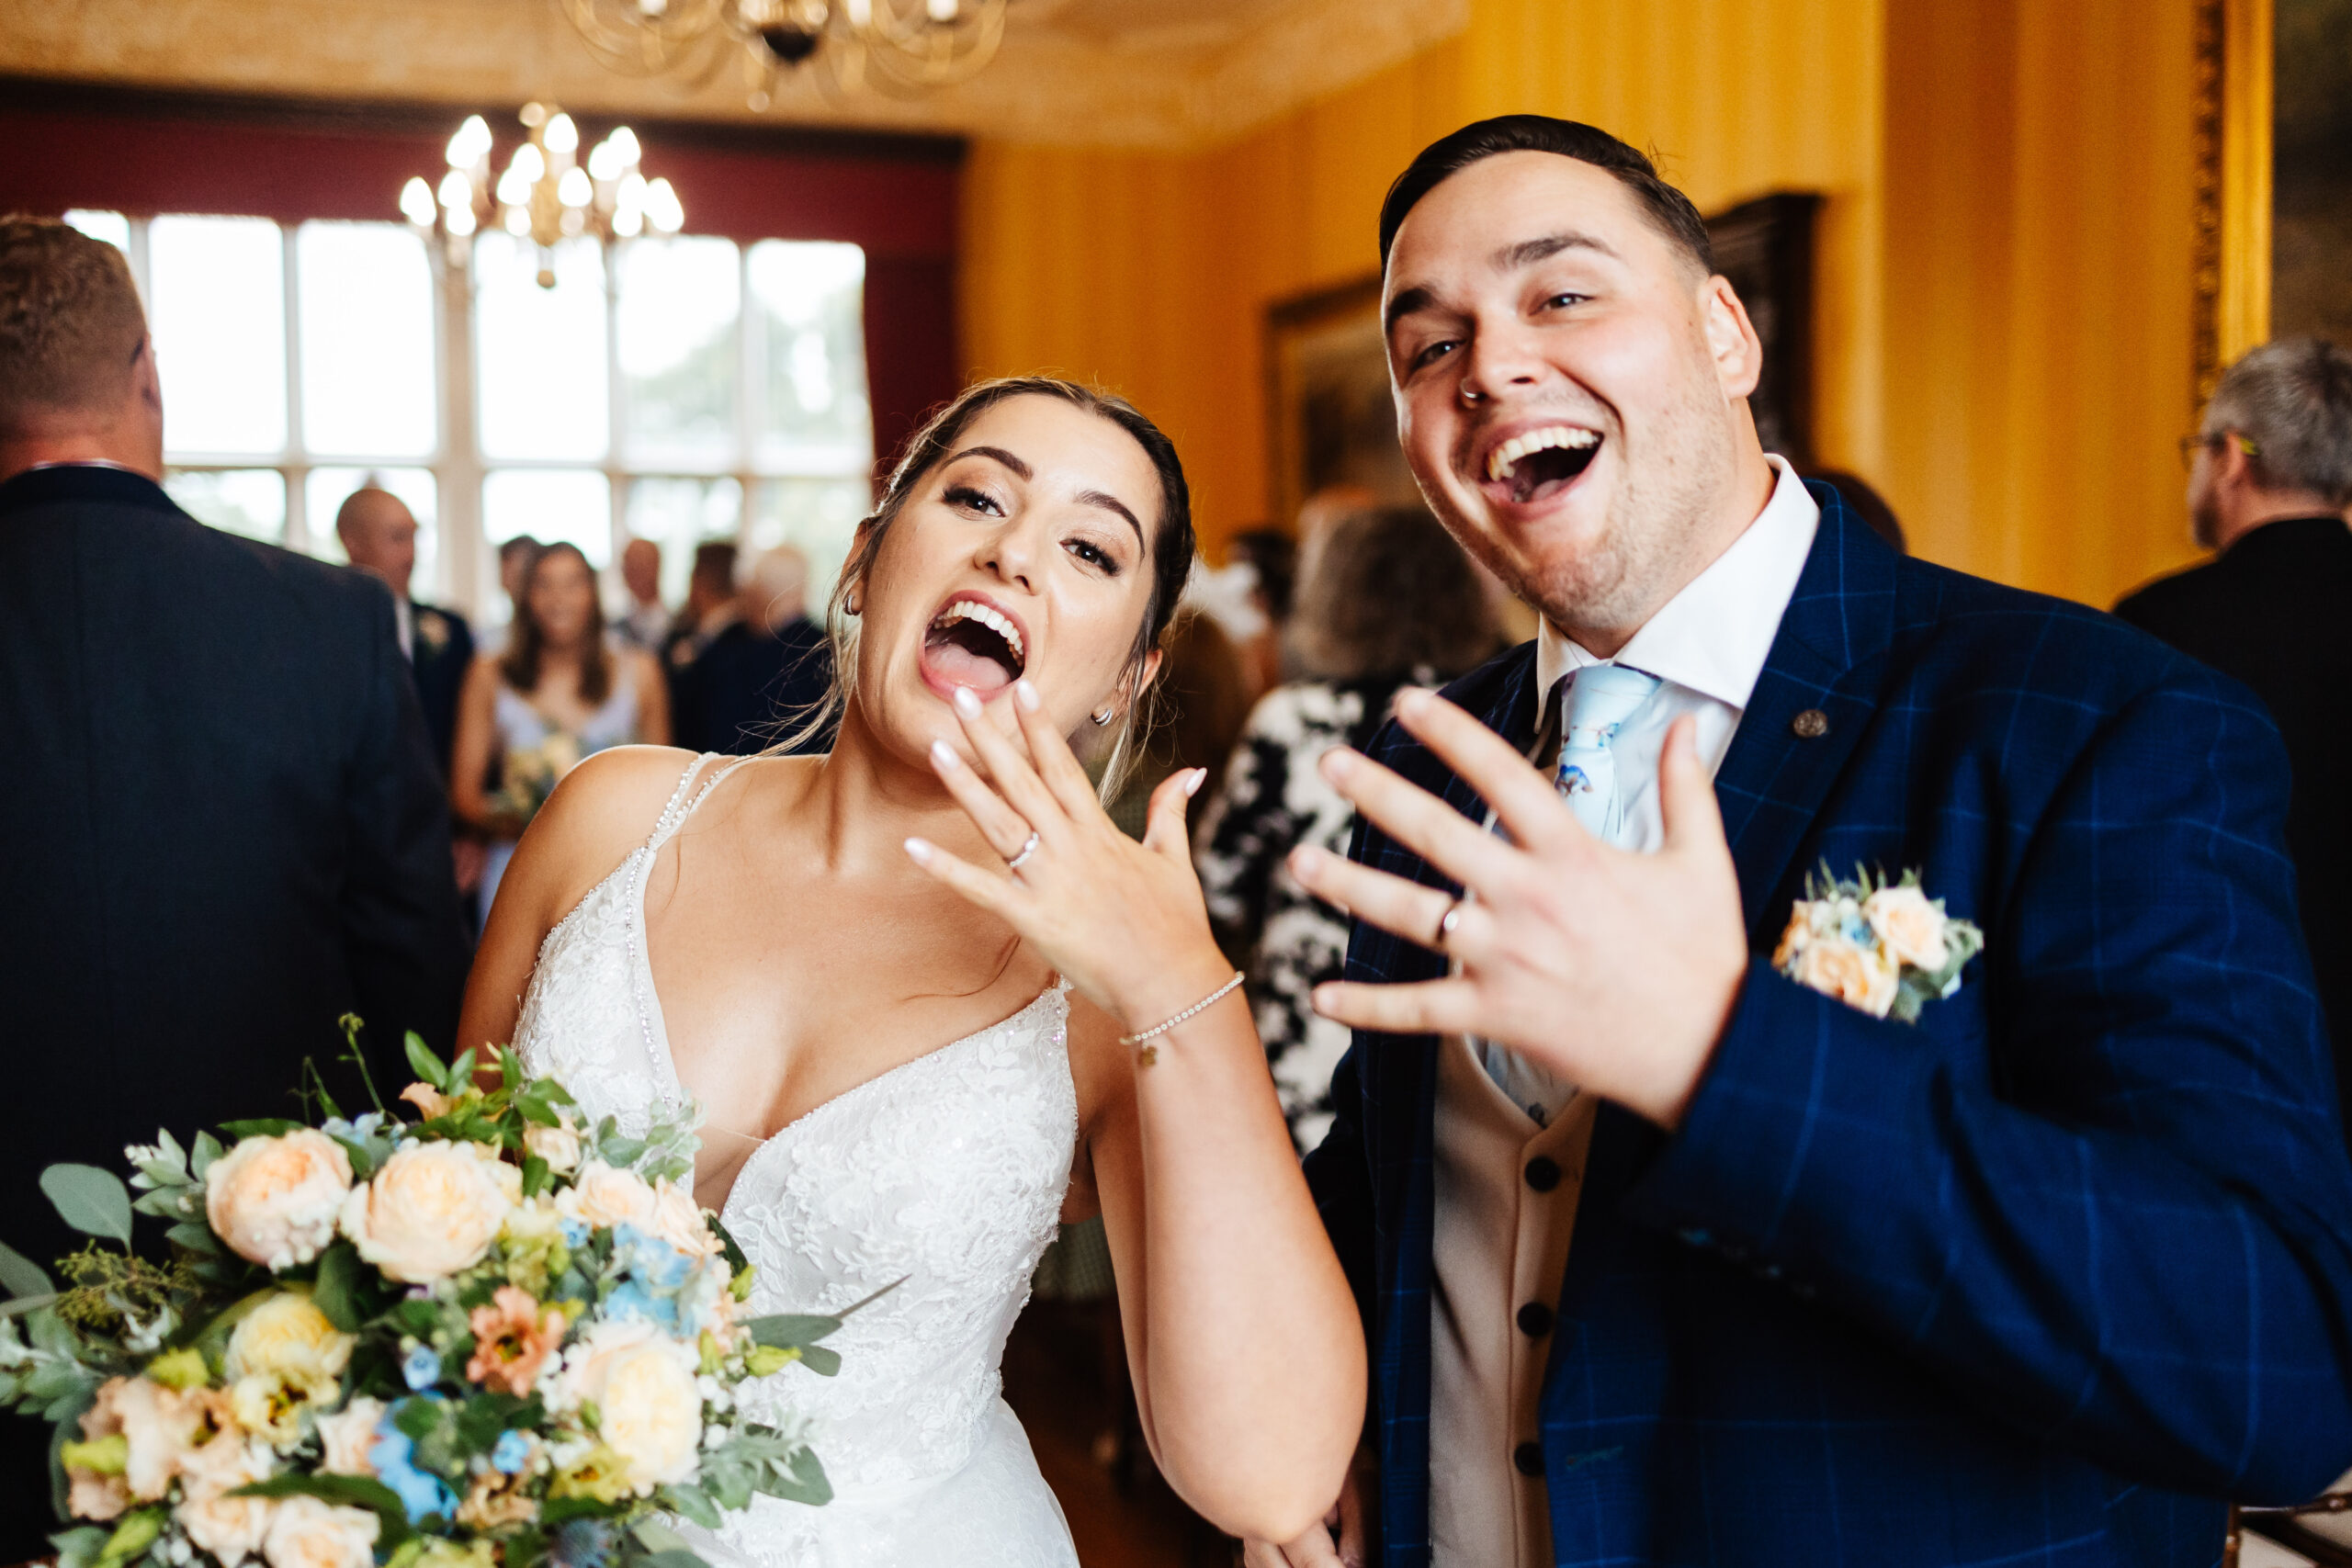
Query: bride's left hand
(1123, 921)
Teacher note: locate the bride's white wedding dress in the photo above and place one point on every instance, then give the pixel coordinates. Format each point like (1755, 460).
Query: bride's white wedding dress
(946, 1174)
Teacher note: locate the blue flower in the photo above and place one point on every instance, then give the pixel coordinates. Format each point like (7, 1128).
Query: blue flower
(511, 1452)
(394, 1458)
(574, 1233)
(631, 1300)
(421, 1368)
(582, 1543)
(650, 1258)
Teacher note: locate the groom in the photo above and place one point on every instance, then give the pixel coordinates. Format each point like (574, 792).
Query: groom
(1664, 1257)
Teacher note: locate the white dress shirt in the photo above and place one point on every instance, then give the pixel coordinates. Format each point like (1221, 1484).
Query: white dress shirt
(1707, 646)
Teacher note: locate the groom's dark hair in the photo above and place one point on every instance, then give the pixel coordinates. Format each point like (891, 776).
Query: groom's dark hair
(1666, 207)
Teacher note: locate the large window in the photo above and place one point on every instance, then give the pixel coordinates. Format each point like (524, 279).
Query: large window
(680, 390)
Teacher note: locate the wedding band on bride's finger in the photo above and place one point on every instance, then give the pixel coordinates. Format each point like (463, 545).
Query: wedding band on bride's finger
(1027, 849)
(1447, 921)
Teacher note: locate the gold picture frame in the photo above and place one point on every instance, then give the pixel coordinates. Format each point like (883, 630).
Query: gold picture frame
(2233, 191)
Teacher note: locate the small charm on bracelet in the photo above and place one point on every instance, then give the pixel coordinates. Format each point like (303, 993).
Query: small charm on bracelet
(1148, 1055)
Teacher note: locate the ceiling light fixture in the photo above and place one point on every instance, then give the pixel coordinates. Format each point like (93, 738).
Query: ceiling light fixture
(899, 47)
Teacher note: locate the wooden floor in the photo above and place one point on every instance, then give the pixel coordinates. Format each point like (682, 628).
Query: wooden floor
(1058, 1369)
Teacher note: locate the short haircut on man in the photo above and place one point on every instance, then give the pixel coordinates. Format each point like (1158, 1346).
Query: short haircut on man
(2291, 400)
(1668, 211)
(71, 325)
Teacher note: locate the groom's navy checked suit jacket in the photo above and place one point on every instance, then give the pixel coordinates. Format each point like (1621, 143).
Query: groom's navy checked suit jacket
(2036, 1281)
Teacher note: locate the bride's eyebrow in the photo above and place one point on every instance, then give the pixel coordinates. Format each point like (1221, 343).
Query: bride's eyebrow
(995, 454)
(1110, 502)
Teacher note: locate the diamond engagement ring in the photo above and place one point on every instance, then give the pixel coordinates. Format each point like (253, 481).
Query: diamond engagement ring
(1027, 849)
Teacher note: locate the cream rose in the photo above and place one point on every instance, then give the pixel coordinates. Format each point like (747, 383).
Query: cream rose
(162, 1424)
(560, 1146)
(347, 1435)
(433, 1209)
(288, 1338)
(1854, 975)
(231, 1529)
(677, 1219)
(308, 1533)
(643, 1386)
(273, 1201)
(1909, 925)
(600, 1197)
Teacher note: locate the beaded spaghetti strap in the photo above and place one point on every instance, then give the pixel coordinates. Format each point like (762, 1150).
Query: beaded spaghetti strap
(674, 816)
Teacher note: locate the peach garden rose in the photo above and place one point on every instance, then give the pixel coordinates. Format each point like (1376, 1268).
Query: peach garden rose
(433, 1210)
(274, 1199)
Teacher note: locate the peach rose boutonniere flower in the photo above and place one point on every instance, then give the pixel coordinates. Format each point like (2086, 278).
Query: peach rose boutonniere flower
(1883, 947)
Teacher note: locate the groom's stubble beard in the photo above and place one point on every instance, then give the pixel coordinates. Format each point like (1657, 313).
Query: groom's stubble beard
(1654, 537)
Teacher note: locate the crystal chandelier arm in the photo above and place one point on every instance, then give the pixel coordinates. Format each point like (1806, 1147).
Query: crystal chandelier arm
(625, 37)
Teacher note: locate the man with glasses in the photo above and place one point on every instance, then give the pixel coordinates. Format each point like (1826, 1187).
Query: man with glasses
(2269, 480)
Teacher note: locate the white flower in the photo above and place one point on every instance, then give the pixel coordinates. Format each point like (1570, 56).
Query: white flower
(600, 1197)
(560, 1146)
(347, 1435)
(308, 1533)
(643, 1386)
(677, 1219)
(433, 1209)
(274, 1199)
(1908, 925)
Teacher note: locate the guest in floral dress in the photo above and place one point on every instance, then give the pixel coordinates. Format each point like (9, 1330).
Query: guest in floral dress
(1386, 597)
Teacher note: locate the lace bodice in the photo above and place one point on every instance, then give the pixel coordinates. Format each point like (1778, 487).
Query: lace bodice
(944, 1177)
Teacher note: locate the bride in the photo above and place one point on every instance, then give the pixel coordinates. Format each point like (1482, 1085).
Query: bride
(897, 978)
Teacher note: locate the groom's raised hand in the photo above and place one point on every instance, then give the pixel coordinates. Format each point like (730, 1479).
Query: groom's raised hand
(1612, 970)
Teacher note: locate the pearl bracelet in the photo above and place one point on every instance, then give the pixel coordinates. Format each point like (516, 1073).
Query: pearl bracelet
(1151, 1053)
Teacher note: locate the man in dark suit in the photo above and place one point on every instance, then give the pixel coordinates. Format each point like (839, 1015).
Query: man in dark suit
(2270, 475)
(766, 671)
(1665, 1258)
(223, 827)
(379, 536)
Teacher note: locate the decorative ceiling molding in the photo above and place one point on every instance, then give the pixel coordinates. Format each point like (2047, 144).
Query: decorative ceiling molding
(1147, 73)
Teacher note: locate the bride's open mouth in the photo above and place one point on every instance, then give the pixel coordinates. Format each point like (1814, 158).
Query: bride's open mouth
(1536, 464)
(973, 642)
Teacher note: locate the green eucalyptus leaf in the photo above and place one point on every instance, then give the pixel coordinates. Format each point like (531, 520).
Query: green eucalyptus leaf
(196, 1236)
(800, 1480)
(791, 1331)
(17, 1307)
(92, 1201)
(20, 1276)
(823, 1362)
(337, 1291)
(691, 1502)
(208, 1149)
(622, 1153)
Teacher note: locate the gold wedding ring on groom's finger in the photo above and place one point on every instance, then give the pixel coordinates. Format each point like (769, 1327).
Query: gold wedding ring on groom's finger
(1027, 849)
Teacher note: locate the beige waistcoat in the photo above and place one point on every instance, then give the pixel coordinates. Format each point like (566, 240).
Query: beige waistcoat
(1500, 1245)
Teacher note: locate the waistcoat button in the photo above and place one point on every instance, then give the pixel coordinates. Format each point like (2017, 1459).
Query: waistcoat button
(1543, 1173)
(1529, 1457)
(1535, 1320)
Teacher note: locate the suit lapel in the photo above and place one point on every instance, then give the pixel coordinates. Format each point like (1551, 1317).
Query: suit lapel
(1818, 693)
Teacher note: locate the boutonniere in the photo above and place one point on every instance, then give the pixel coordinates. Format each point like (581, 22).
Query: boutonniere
(432, 629)
(1885, 947)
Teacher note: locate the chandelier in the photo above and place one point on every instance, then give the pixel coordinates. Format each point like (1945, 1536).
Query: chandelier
(546, 195)
(899, 47)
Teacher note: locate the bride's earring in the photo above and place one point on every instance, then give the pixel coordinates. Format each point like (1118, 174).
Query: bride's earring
(1103, 717)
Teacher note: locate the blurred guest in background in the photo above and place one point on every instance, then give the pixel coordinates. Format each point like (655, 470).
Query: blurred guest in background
(378, 535)
(1868, 504)
(647, 624)
(2270, 475)
(1388, 597)
(514, 558)
(223, 823)
(1271, 556)
(557, 692)
(1198, 705)
(768, 667)
(709, 608)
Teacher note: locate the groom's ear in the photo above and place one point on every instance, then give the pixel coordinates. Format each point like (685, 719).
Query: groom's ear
(1731, 342)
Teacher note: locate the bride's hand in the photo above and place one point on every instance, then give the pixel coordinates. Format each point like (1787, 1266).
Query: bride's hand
(1123, 921)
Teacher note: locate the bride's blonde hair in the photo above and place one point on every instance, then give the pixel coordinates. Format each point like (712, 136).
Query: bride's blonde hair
(1171, 549)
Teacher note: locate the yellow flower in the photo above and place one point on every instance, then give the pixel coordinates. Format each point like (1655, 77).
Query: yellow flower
(642, 1383)
(600, 1473)
(273, 1201)
(288, 1338)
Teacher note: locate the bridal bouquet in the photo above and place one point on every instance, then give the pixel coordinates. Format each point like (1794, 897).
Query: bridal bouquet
(492, 1336)
(528, 775)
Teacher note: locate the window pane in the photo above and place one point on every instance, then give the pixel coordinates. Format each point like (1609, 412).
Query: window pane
(324, 492)
(678, 304)
(251, 501)
(818, 515)
(111, 226)
(808, 315)
(678, 515)
(552, 505)
(541, 350)
(218, 312)
(365, 304)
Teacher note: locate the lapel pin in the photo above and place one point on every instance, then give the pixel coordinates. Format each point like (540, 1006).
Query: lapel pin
(1810, 724)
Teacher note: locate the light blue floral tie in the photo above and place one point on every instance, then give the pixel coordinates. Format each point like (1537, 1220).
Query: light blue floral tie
(1599, 698)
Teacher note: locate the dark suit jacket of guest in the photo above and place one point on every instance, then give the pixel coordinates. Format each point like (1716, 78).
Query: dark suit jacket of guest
(747, 690)
(2040, 1278)
(441, 649)
(220, 829)
(2276, 612)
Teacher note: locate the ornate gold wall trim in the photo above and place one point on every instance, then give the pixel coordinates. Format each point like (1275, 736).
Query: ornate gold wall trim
(2233, 142)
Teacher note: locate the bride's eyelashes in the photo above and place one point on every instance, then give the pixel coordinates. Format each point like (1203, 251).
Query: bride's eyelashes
(974, 500)
(1094, 555)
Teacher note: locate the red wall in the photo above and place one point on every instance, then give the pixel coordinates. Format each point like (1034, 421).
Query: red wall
(144, 154)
